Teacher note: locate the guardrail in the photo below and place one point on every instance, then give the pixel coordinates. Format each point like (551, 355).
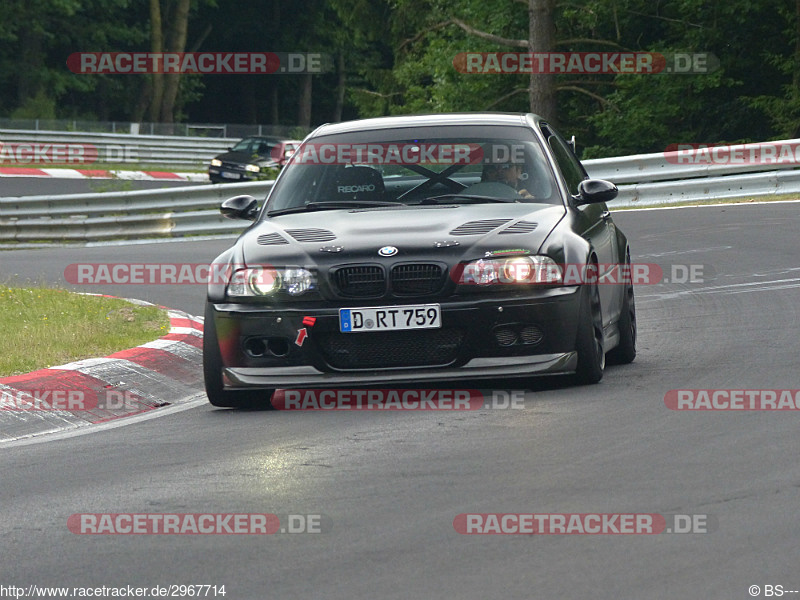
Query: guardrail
(194, 211)
(772, 183)
(86, 218)
(699, 162)
(110, 148)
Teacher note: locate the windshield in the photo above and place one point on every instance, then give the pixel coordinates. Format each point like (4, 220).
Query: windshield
(254, 146)
(434, 165)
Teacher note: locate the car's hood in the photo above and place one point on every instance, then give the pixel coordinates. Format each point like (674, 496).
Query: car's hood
(240, 157)
(447, 233)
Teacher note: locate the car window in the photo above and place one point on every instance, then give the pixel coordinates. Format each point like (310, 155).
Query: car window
(413, 169)
(264, 148)
(571, 169)
(243, 145)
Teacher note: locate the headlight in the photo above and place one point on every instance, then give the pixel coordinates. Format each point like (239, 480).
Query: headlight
(252, 168)
(216, 163)
(264, 282)
(268, 281)
(521, 269)
(297, 281)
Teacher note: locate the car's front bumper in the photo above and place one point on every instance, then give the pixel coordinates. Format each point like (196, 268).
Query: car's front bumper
(477, 368)
(315, 353)
(231, 174)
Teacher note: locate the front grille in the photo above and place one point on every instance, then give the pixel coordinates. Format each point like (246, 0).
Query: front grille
(366, 281)
(417, 279)
(231, 166)
(379, 350)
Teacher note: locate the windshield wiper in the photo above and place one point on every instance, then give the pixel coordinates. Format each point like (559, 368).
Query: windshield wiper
(332, 205)
(435, 199)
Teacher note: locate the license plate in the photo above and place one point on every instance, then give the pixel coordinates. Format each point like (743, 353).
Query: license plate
(390, 318)
(229, 175)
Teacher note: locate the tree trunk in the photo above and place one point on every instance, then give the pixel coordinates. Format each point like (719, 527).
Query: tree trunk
(156, 46)
(32, 59)
(542, 38)
(341, 84)
(304, 109)
(274, 112)
(796, 61)
(796, 65)
(177, 43)
(248, 99)
(145, 94)
(275, 82)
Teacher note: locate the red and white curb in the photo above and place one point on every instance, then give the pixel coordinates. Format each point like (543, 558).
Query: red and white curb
(102, 174)
(138, 380)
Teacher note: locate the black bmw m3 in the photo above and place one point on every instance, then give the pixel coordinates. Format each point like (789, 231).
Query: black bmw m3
(402, 250)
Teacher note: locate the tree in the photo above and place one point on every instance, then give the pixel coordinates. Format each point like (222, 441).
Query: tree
(169, 25)
(35, 44)
(540, 38)
(783, 108)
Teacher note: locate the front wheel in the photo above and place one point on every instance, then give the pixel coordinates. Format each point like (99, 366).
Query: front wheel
(212, 373)
(589, 343)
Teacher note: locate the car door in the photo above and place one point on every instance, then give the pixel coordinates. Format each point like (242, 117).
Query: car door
(594, 224)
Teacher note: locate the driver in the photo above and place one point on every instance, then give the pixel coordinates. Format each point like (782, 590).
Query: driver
(509, 173)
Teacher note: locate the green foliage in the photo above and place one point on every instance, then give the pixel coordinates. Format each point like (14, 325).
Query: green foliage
(39, 106)
(398, 58)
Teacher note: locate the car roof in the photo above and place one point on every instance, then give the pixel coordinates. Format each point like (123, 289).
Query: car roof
(476, 118)
(266, 138)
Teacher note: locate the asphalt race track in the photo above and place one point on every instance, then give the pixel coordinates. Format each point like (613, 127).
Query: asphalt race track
(390, 484)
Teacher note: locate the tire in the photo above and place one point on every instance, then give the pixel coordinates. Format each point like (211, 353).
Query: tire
(625, 352)
(589, 342)
(212, 374)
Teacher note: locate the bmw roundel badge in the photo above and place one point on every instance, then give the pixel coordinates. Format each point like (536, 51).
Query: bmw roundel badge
(388, 251)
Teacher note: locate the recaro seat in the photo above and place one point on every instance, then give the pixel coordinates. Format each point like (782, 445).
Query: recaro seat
(358, 183)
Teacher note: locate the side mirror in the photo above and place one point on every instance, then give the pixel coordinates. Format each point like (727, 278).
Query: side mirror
(595, 191)
(240, 207)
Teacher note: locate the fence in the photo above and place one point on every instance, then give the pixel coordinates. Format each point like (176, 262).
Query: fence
(207, 130)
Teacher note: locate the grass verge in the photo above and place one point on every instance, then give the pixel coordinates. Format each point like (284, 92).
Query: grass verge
(44, 327)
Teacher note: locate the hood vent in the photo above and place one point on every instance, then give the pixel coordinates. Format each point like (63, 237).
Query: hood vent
(520, 227)
(479, 227)
(272, 239)
(312, 235)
